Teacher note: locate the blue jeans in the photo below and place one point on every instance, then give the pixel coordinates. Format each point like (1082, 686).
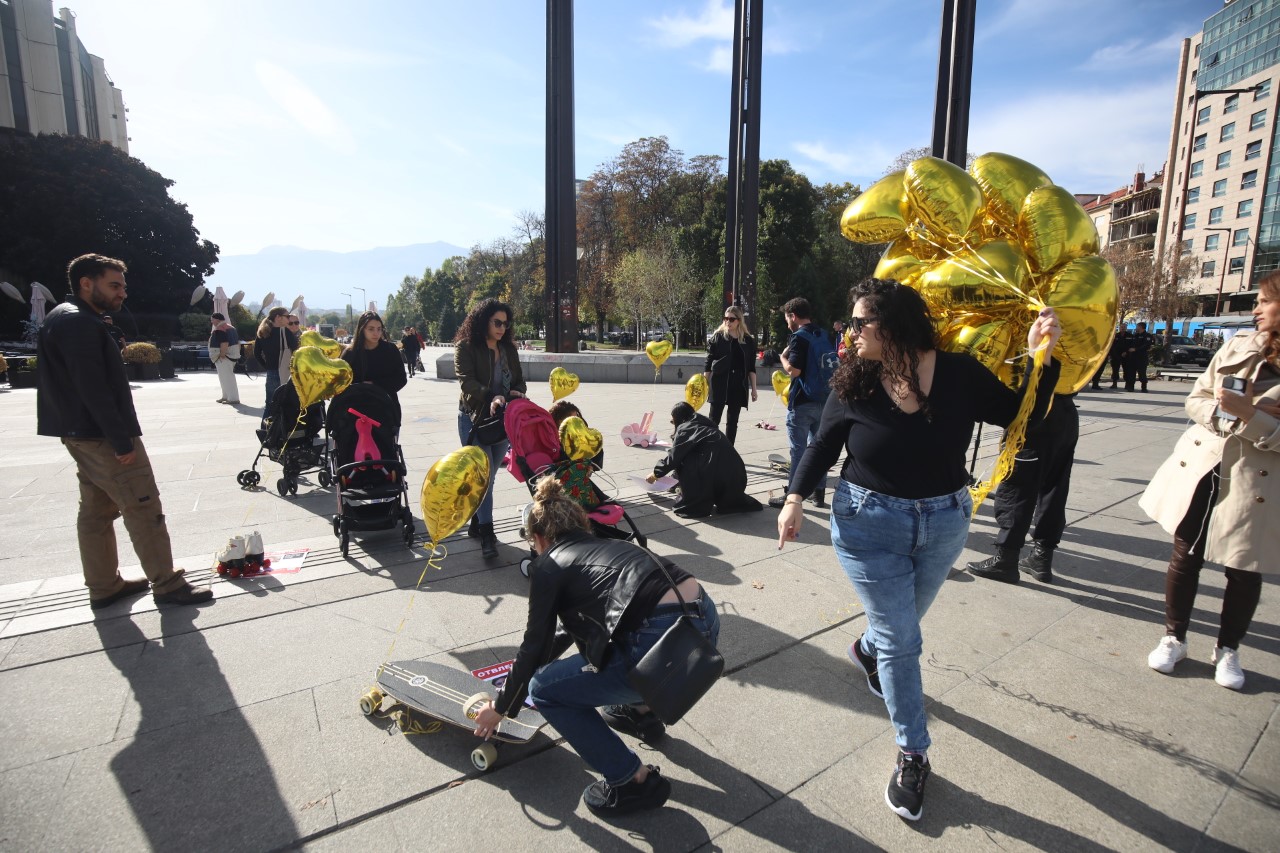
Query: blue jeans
(568, 691)
(273, 383)
(495, 452)
(802, 429)
(897, 552)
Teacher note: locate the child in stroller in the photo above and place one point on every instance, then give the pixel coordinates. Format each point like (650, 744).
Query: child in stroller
(536, 453)
(368, 467)
(298, 447)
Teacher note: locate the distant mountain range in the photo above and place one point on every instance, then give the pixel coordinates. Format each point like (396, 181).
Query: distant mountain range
(323, 277)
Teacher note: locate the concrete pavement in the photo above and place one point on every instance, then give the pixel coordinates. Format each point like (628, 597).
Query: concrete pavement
(234, 726)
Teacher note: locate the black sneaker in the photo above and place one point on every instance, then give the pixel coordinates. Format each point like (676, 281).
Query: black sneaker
(867, 664)
(630, 721)
(1039, 563)
(607, 800)
(905, 794)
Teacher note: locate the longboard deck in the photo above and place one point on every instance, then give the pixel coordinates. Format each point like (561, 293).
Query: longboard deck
(438, 690)
(778, 461)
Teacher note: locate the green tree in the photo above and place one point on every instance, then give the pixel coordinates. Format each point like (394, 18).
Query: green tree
(63, 196)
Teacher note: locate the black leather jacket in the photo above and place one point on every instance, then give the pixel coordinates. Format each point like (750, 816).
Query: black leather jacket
(83, 391)
(586, 583)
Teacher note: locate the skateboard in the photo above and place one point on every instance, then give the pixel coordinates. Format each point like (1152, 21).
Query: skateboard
(781, 463)
(451, 696)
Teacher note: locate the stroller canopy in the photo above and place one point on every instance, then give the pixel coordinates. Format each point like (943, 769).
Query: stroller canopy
(533, 436)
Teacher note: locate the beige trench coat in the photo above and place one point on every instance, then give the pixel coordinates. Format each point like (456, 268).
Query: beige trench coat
(1244, 530)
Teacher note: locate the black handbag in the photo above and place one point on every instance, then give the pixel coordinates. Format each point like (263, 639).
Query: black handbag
(679, 669)
(489, 429)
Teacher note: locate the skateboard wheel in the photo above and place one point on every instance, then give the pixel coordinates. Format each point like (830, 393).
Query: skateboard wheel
(472, 706)
(370, 702)
(484, 756)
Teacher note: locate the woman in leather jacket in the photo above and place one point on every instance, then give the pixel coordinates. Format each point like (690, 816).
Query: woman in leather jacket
(730, 369)
(612, 599)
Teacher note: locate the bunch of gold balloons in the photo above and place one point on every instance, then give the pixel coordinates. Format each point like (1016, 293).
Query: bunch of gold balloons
(987, 249)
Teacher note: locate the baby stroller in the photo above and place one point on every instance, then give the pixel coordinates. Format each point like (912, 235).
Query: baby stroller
(535, 453)
(368, 470)
(297, 447)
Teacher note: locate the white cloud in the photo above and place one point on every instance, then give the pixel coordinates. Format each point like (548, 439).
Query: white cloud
(720, 60)
(304, 106)
(1136, 52)
(715, 21)
(854, 162)
(1085, 141)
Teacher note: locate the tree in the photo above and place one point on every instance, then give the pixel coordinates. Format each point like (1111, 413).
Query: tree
(906, 158)
(63, 196)
(1135, 277)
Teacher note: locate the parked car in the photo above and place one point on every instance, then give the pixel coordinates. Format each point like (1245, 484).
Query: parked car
(1185, 350)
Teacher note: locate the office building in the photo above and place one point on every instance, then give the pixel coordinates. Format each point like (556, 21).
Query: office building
(49, 82)
(1223, 202)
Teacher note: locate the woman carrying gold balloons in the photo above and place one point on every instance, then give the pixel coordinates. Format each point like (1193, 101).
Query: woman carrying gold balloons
(373, 358)
(274, 349)
(488, 369)
(615, 601)
(731, 369)
(905, 412)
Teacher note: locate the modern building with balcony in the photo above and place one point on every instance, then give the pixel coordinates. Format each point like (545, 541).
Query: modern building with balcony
(1223, 202)
(49, 82)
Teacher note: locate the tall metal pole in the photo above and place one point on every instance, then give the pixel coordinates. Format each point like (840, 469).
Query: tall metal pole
(742, 215)
(562, 217)
(961, 82)
(943, 97)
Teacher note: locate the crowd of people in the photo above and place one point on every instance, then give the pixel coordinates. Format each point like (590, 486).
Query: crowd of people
(901, 412)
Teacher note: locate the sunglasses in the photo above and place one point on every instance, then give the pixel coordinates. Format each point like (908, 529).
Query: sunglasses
(731, 319)
(857, 324)
(299, 323)
(501, 324)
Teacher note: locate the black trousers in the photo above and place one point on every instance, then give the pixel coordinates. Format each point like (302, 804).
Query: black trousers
(1135, 368)
(1181, 581)
(1034, 496)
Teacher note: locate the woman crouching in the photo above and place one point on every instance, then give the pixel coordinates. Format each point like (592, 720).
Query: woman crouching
(614, 601)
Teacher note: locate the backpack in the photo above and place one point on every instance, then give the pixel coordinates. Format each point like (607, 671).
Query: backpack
(819, 367)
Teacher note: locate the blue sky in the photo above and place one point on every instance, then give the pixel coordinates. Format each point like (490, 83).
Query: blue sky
(348, 126)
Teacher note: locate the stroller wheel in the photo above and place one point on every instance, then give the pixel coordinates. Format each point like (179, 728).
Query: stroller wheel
(243, 478)
(344, 542)
(336, 531)
(627, 442)
(408, 534)
(293, 488)
(282, 486)
(325, 479)
(252, 478)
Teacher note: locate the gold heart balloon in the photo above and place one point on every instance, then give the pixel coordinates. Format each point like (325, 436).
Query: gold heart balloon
(989, 340)
(904, 260)
(579, 440)
(992, 277)
(696, 390)
(317, 377)
(1005, 182)
(1054, 228)
(942, 196)
(658, 352)
(781, 382)
(312, 338)
(562, 382)
(1084, 294)
(452, 492)
(879, 214)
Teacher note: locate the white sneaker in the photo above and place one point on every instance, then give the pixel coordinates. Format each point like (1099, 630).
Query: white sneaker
(1166, 655)
(1228, 672)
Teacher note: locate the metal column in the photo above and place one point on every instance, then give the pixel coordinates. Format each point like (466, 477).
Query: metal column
(955, 81)
(742, 215)
(562, 218)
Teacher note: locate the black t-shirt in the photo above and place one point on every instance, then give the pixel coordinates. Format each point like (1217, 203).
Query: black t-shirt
(908, 455)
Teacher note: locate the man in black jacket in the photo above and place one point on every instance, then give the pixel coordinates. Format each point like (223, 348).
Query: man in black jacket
(84, 399)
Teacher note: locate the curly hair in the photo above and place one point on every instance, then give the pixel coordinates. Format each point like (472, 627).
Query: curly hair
(906, 329)
(553, 513)
(475, 328)
(562, 409)
(1271, 349)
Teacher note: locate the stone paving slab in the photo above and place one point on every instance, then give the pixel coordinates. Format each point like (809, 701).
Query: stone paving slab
(234, 727)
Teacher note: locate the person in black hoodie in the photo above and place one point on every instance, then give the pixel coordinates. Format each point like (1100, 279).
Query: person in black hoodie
(614, 600)
(710, 471)
(374, 359)
(730, 369)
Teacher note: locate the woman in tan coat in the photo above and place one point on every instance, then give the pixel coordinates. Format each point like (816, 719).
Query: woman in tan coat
(1219, 493)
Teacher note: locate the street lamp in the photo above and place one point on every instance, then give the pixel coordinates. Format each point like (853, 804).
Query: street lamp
(348, 295)
(1226, 253)
(364, 299)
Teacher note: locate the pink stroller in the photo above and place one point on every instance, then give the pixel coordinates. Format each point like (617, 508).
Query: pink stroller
(535, 453)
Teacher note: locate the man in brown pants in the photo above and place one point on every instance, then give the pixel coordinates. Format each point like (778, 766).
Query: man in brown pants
(84, 399)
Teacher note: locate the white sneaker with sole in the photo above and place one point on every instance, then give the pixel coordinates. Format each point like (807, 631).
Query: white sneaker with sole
(1166, 655)
(1228, 672)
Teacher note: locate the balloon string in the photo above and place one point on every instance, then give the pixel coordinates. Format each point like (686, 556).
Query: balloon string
(433, 562)
(991, 274)
(1015, 435)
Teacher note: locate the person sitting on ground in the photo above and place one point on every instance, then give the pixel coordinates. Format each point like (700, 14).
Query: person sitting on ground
(710, 471)
(374, 359)
(613, 600)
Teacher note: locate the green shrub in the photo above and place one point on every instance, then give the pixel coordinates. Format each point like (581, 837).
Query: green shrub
(140, 354)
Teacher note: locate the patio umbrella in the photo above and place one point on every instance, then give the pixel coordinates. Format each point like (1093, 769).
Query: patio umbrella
(198, 293)
(39, 296)
(220, 302)
(300, 308)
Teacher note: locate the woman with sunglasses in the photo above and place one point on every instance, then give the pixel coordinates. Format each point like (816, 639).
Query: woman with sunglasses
(276, 341)
(905, 412)
(730, 369)
(488, 369)
(373, 358)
